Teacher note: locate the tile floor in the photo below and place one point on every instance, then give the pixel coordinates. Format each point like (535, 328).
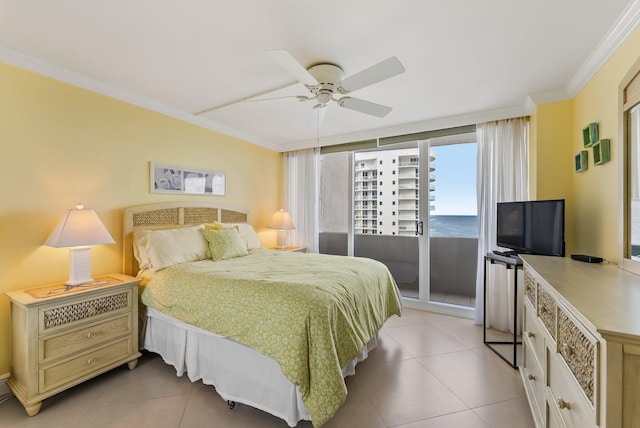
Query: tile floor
(428, 371)
(454, 299)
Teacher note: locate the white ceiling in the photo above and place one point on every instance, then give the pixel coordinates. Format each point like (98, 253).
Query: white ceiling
(466, 60)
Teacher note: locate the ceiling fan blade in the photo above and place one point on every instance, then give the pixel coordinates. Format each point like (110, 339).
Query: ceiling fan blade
(376, 73)
(363, 106)
(316, 117)
(300, 98)
(293, 67)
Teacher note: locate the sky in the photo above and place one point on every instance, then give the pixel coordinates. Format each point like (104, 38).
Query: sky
(455, 179)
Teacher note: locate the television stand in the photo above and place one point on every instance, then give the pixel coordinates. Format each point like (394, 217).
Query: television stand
(513, 264)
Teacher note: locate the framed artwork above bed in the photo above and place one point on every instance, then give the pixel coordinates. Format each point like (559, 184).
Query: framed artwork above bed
(186, 181)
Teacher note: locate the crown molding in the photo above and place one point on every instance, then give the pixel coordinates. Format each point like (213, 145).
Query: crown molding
(64, 75)
(544, 97)
(623, 27)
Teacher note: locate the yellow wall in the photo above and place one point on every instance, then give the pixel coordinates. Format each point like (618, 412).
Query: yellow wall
(551, 159)
(593, 211)
(61, 145)
(596, 192)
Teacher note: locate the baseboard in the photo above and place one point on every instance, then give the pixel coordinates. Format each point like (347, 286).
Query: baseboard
(4, 388)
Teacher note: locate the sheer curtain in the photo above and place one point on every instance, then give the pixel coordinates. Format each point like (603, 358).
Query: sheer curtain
(502, 177)
(300, 179)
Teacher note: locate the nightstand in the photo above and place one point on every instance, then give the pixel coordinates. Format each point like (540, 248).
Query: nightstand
(292, 249)
(62, 336)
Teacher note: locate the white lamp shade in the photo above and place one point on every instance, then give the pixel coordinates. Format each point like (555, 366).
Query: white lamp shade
(281, 221)
(79, 227)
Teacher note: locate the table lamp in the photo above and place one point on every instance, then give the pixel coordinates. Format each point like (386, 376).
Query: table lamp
(281, 222)
(79, 229)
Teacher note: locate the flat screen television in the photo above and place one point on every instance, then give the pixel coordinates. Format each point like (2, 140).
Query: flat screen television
(531, 227)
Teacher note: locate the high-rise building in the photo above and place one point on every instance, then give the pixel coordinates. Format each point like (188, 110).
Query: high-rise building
(387, 192)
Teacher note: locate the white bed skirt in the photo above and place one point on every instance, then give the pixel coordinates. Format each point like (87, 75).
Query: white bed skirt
(238, 372)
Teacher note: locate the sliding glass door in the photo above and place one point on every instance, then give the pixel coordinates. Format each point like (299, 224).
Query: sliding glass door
(387, 211)
(401, 204)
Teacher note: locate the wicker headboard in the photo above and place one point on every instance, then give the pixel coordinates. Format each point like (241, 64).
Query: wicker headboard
(169, 215)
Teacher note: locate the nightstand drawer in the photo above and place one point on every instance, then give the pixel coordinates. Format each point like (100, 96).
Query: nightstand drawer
(75, 312)
(71, 370)
(53, 347)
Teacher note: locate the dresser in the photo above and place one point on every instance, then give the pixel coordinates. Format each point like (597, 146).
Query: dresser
(581, 343)
(62, 336)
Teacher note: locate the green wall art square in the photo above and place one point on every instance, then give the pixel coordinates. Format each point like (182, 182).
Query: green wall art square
(602, 151)
(581, 161)
(590, 134)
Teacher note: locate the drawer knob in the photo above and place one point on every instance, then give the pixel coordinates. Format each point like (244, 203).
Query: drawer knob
(563, 404)
(566, 350)
(531, 377)
(531, 334)
(91, 335)
(91, 361)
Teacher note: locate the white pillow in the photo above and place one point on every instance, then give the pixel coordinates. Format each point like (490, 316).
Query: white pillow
(157, 249)
(248, 232)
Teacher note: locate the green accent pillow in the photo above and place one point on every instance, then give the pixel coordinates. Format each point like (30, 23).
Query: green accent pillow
(224, 243)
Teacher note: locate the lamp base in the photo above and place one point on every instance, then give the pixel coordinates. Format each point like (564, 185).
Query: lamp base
(79, 266)
(282, 240)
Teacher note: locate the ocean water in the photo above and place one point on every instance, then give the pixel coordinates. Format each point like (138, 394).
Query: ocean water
(454, 226)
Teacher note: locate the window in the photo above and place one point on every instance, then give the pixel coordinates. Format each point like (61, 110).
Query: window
(380, 162)
(393, 172)
(393, 213)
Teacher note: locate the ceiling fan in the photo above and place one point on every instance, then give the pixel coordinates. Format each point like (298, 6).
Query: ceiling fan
(326, 84)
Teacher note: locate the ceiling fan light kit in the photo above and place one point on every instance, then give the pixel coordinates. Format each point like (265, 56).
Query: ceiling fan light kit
(325, 81)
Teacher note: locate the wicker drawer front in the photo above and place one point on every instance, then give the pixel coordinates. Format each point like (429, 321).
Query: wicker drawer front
(578, 349)
(530, 285)
(547, 311)
(82, 310)
(71, 370)
(53, 347)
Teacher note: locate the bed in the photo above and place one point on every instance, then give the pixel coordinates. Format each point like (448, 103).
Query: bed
(275, 330)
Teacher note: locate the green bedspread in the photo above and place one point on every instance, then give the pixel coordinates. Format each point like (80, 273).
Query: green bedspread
(311, 313)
